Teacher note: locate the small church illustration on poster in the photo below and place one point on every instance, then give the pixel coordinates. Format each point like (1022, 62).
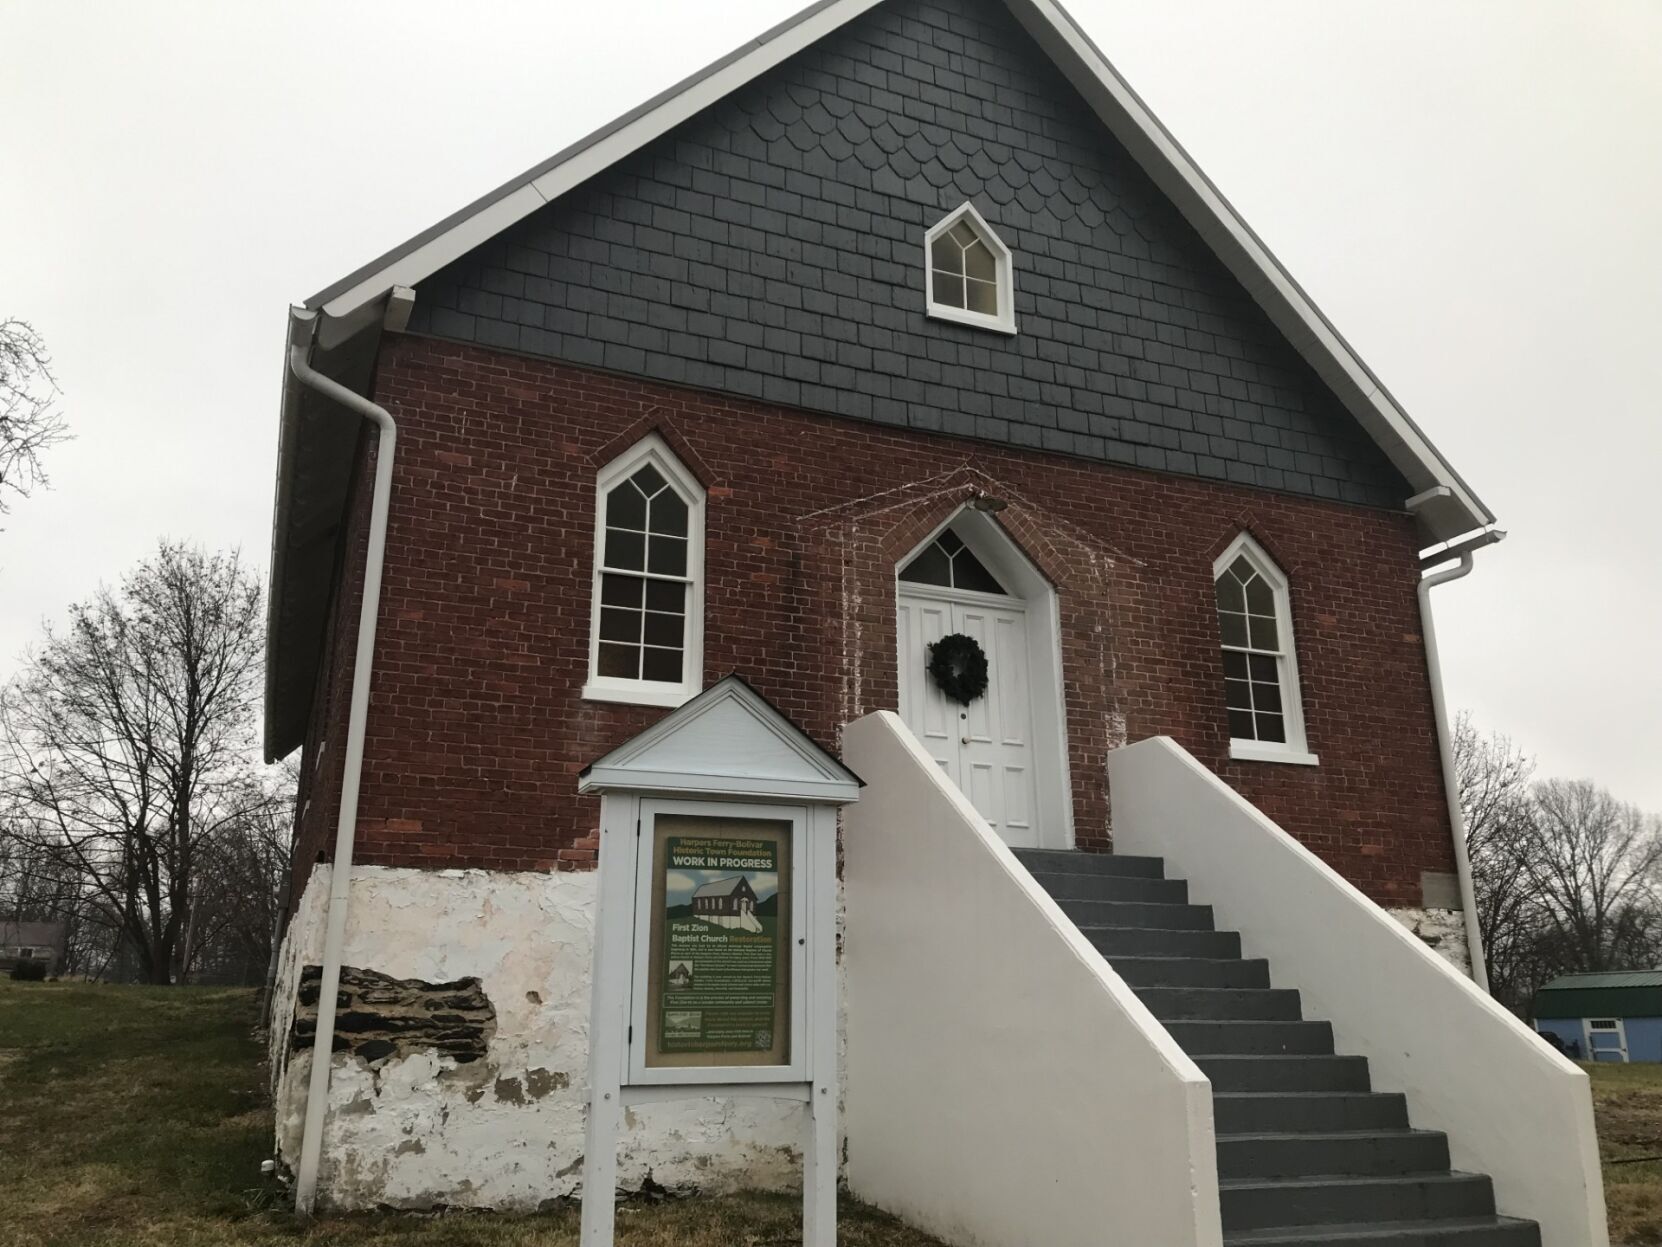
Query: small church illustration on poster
(729, 902)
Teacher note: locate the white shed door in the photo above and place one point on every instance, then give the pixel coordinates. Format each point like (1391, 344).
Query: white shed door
(986, 747)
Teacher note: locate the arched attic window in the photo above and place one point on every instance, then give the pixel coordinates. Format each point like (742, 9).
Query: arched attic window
(1260, 666)
(969, 276)
(646, 630)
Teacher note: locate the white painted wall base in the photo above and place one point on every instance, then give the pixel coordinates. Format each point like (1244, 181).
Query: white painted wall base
(505, 1132)
(1443, 931)
(1004, 1085)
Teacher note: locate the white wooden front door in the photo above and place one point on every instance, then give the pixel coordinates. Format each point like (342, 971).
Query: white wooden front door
(986, 747)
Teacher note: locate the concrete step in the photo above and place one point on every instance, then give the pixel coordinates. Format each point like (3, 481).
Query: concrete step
(1192, 971)
(1317, 1112)
(1115, 941)
(1073, 861)
(1341, 1152)
(1093, 887)
(1458, 1232)
(1249, 1038)
(1156, 917)
(1268, 1004)
(1238, 1072)
(1258, 1203)
(1308, 1154)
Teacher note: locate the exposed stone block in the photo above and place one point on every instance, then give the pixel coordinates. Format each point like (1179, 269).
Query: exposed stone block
(378, 1016)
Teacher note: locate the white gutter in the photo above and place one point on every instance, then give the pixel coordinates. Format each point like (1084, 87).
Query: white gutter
(317, 1095)
(1445, 739)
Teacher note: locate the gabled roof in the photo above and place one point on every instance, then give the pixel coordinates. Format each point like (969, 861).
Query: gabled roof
(728, 740)
(1120, 109)
(1609, 978)
(35, 934)
(341, 321)
(723, 887)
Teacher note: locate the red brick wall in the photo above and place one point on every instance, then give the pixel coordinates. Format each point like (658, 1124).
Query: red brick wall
(477, 730)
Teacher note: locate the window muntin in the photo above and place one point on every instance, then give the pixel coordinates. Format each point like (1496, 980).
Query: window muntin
(1251, 654)
(950, 564)
(1261, 693)
(647, 625)
(968, 273)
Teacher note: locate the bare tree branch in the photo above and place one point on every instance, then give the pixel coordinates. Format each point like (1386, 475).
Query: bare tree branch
(29, 422)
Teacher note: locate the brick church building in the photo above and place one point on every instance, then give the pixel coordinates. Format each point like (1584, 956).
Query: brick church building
(905, 321)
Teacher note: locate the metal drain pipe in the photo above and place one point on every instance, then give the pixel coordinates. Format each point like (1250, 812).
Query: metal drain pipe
(1445, 742)
(340, 881)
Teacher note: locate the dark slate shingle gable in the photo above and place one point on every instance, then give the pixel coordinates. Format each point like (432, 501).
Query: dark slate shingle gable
(772, 246)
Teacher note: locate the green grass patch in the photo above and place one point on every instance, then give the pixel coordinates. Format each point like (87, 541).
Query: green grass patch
(137, 1117)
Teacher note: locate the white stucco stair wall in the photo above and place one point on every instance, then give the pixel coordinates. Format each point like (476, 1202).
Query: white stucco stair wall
(507, 1131)
(1004, 1085)
(1512, 1107)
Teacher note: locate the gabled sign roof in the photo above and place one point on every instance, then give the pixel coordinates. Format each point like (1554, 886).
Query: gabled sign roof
(727, 741)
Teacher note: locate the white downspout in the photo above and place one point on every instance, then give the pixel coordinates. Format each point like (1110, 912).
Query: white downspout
(317, 1095)
(1445, 748)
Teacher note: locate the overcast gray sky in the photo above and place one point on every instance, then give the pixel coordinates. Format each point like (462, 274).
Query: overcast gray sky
(1471, 191)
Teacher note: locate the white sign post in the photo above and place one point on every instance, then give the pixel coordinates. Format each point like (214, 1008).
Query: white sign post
(715, 946)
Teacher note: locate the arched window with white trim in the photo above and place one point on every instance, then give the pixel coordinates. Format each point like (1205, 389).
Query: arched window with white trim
(1260, 666)
(646, 631)
(969, 275)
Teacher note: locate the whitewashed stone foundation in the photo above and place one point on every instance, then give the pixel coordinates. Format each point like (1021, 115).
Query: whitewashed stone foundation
(1443, 930)
(506, 1131)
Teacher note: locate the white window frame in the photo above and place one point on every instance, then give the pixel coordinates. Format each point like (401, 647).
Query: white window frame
(653, 450)
(1294, 749)
(1005, 320)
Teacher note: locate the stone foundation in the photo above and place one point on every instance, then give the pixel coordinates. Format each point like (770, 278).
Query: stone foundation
(378, 1017)
(1443, 930)
(461, 1066)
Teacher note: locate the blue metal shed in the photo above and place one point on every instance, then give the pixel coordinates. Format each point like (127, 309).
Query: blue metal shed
(1611, 1016)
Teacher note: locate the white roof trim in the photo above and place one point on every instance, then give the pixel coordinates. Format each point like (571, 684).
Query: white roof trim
(1292, 310)
(1119, 108)
(485, 218)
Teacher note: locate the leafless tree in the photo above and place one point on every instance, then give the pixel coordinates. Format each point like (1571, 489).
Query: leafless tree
(126, 745)
(29, 422)
(1592, 861)
(1565, 874)
(244, 874)
(1493, 776)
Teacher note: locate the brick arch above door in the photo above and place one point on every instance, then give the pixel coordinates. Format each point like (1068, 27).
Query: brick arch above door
(857, 546)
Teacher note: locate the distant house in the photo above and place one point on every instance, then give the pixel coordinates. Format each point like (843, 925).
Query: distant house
(1615, 1016)
(32, 941)
(729, 902)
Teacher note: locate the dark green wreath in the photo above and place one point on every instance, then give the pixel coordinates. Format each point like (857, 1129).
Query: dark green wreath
(959, 667)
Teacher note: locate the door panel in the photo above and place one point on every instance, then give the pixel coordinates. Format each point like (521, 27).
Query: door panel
(1606, 1039)
(924, 709)
(985, 747)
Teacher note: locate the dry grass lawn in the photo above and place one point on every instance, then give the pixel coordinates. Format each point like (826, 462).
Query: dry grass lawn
(1627, 1101)
(136, 1116)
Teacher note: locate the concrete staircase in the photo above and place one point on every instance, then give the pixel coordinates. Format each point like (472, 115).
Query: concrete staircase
(1308, 1153)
